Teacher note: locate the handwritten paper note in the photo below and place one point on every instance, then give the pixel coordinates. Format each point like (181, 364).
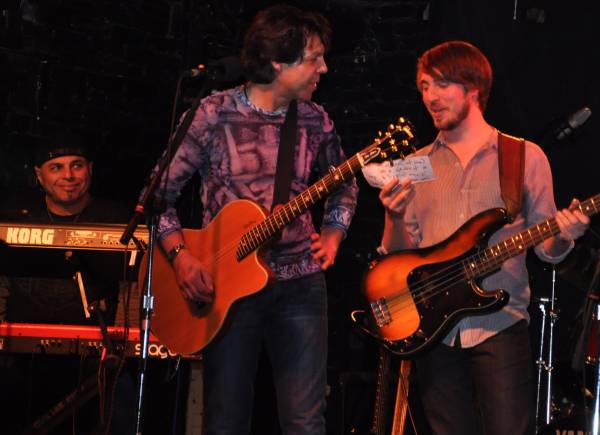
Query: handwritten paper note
(417, 168)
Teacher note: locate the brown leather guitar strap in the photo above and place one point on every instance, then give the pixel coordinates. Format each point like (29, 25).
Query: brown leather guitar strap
(511, 163)
(285, 155)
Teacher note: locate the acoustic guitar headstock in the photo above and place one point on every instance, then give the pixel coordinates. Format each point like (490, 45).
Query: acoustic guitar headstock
(397, 142)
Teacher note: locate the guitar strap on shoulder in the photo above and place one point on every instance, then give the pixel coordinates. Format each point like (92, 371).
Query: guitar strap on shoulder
(511, 163)
(285, 155)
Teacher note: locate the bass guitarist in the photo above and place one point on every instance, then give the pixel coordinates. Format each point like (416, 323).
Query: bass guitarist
(486, 359)
(233, 144)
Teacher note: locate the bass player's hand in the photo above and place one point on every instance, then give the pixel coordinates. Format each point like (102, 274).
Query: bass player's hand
(395, 195)
(571, 222)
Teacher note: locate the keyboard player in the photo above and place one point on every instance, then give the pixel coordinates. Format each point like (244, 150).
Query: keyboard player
(63, 168)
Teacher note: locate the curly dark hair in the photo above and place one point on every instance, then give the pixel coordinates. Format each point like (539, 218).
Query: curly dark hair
(279, 33)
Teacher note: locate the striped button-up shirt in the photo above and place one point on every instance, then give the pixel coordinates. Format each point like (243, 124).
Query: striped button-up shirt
(457, 194)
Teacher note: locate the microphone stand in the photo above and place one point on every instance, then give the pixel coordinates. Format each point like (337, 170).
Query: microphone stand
(153, 204)
(594, 298)
(547, 365)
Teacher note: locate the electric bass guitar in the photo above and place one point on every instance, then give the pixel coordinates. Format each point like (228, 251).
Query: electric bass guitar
(230, 249)
(416, 296)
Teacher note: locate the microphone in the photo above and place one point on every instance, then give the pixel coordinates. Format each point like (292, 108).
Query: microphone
(574, 121)
(226, 69)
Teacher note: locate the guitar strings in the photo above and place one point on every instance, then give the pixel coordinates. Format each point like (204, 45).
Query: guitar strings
(426, 289)
(262, 232)
(444, 277)
(587, 207)
(457, 272)
(259, 234)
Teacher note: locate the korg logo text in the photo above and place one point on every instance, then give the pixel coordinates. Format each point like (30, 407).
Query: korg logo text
(29, 236)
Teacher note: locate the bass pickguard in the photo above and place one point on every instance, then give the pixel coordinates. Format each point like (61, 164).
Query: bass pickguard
(442, 304)
(416, 296)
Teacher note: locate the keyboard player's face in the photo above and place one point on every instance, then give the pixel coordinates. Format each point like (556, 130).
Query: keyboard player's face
(65, 179)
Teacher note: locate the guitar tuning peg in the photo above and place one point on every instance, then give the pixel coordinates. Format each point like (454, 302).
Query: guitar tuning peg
(384, 155)
(379, 133)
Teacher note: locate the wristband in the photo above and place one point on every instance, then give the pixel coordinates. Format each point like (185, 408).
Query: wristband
(174, 252)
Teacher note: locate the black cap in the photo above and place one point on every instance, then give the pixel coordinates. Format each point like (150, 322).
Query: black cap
(66, 144)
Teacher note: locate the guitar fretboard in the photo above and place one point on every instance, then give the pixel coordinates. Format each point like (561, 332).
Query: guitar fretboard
(264, 231)
(258, 235)
(491, 258)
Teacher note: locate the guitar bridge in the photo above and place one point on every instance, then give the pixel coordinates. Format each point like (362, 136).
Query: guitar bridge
(381, 312)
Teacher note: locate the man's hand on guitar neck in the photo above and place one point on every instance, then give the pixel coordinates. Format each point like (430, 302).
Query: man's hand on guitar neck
(324, 246)
(572, 224)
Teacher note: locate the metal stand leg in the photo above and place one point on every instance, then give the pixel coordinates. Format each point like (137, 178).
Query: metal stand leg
(540, 362)
(147, 309)
(596, 412)
(594, 294)
(546, 365)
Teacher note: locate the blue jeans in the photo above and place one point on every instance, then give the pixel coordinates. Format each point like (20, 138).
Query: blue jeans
(290, 318)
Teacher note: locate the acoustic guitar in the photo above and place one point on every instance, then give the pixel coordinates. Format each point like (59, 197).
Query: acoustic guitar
(416, 296)
(230, 249)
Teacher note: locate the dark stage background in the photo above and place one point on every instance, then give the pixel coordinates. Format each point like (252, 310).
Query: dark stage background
(108, 70)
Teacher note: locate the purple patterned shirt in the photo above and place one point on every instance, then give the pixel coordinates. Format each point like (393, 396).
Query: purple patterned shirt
(233, 145)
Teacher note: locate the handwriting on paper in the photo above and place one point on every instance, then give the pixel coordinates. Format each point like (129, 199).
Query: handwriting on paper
(417, 168)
